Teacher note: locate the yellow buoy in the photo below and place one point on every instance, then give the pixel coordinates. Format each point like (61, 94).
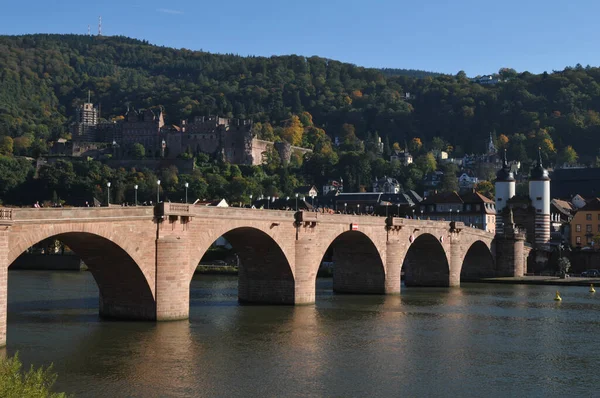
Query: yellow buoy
(592, 290)
(557, 298)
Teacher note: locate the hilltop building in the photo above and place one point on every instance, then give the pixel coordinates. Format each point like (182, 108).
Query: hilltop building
(231, 140)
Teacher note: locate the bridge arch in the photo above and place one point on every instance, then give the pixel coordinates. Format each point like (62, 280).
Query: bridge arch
(478, 262)
(357, 264)
(426, 263)
(125, 289)
(265, 274)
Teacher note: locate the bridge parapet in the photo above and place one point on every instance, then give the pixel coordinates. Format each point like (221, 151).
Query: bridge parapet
(6, 214)
(70, 214)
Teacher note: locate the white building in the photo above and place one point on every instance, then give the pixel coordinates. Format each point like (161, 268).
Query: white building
(386, 185)
(466, 181)
(539, 193)
(403, 157)
(333, 186)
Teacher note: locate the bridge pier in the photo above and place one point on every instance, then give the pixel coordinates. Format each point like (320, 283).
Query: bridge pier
(172, 279)
(394, 255)
(456, 257)
(305, 272)
(510, 258)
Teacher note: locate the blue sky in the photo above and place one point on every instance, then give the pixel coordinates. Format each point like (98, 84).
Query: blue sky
(478, 37)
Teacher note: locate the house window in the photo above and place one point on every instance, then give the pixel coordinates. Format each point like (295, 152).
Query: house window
(538, 198)
(468, 207)
(578, 240)
(588, 228)
(578, 228)
(598, 227)
(588, 217)
(477, 207)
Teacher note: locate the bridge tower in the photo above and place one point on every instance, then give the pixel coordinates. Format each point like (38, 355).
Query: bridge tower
(505, 189)
(539, 193)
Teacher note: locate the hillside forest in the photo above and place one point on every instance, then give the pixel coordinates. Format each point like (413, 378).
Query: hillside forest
(339, 110)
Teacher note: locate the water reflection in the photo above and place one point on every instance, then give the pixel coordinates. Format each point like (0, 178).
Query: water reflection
(473, 341)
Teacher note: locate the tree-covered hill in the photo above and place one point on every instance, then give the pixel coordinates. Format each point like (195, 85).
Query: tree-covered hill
(42, 77)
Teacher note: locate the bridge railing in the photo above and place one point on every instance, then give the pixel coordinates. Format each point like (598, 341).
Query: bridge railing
(5, 214)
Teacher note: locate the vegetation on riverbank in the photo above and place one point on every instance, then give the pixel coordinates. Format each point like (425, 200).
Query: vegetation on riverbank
(34, 383)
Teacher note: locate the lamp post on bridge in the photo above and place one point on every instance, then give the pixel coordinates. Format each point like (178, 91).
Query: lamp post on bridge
(296, 202)
(135, 187)
(450, 215)
(157, 191)
(268, 203)
(345, 205)
(187, 184)
(250, 196)
(398, 204)
(458, 215)
(358, 209)
(108, 195)
(413, 214)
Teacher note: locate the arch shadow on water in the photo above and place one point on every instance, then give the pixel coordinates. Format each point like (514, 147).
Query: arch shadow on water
(478, 263)
(123, 289)
(264, 272)
(355, 264)
(426, 263)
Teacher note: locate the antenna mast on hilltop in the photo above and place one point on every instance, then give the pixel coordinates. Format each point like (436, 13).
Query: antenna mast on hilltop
(89, 31)
(100, 25)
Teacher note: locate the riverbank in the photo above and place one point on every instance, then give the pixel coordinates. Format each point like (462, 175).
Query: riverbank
(208, 269)
(540, 280)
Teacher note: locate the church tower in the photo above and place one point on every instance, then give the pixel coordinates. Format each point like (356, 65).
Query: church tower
(539, 193)
(491, 150)
(505, 189)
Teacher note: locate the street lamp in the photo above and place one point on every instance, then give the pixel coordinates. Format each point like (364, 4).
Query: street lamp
(387, 205)
(187, 184)
(296, 202)
(421, 214)
(413, 214)
(250, 196)
(108, 195)
(345, 205)
(450, 215)
(268, 202)
(398, 204)
(136, 188)
(457, 215)
(157, 191)
(358, 209)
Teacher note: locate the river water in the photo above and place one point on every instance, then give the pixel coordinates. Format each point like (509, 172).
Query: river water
(478, 340)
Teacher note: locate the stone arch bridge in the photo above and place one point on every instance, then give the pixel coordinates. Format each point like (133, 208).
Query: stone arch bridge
(143, 258)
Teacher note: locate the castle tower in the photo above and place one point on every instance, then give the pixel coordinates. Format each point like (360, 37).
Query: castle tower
(539, 193)
(505, 189)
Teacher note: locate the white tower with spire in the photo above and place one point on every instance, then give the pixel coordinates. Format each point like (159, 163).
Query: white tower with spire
(539, 193)
(505, 189)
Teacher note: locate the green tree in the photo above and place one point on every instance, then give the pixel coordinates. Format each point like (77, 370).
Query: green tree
(6, 145)
(138, 151)
(486, 188)
(568, 155)
(34, 383)
(450, 180)
(426, 163)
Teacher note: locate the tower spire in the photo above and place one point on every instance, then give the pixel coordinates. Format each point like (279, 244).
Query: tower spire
(540, 156)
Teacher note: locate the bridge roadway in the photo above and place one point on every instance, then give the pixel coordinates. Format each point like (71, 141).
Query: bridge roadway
(143, 258)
